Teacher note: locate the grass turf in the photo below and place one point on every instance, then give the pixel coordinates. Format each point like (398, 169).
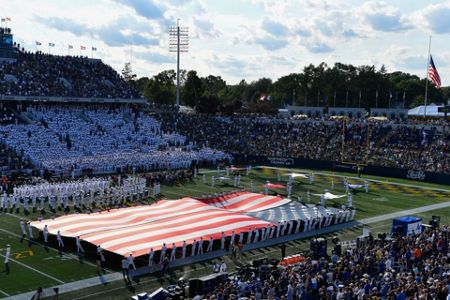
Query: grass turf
(383, 197)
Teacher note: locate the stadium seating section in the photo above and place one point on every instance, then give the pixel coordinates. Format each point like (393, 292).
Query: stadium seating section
(38, 74)
(402, 144)
(67, 139)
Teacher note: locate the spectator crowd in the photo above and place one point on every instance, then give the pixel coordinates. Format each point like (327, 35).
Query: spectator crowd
(397, 267)
(39, 74)
(72, 139)
(401, 145)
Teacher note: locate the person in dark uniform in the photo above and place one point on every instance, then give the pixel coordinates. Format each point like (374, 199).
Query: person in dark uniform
(283, 251)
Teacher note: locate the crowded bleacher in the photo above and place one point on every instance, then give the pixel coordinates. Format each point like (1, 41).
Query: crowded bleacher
(403, 145)
(397, 267)
(39, 74)
(70, 139)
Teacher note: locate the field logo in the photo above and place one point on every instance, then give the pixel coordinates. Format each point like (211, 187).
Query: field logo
(279, 161)
(420, 175)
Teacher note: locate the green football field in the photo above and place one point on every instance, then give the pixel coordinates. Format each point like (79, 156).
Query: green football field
(33, 265)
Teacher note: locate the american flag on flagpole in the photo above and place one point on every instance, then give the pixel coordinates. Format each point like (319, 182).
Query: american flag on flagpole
(433, 73)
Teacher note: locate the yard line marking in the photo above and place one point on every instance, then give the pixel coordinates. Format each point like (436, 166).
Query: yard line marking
(5, 293)
(51, 248)
(33, 269)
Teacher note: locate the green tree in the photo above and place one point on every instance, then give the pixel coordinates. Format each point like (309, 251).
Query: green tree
(127, 72)
(161, 88)
(193, 89)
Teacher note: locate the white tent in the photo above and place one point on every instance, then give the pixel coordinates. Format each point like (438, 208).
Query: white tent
(432, 111)
(330, 196)
(294, 175)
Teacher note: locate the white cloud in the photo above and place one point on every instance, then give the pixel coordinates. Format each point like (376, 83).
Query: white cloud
(434, 17)
(380, 16)
(245, 38)
(204, 28)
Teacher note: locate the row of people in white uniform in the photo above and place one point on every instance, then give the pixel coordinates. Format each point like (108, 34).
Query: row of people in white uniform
(80, 193)
(253, 235)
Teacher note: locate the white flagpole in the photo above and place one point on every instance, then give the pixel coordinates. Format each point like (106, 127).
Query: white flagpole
(426, 80)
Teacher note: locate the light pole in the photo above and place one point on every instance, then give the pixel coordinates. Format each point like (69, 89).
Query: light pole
(178, 42)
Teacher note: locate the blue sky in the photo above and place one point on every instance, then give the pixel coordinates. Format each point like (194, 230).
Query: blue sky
(241, 39)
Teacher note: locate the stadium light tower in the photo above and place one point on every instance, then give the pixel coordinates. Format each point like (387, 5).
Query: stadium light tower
(178, 42)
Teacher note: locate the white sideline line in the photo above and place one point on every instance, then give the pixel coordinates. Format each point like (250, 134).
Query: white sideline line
(5, 293)
(51, 248)
(33, 269)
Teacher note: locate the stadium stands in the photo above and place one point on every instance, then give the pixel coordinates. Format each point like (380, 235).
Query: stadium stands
(38, 74)
(402, 145)
(413, 267)
(71, 139)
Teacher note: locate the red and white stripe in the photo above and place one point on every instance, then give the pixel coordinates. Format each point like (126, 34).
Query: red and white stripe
(140, 228)
(246, 202)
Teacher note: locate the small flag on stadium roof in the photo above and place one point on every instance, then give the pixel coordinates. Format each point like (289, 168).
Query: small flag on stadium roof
(51, 44)
(433, 73)
(8, 18)
(3, 19)
(70, 46)
(94, 49)
(82, 47)
(38, 43)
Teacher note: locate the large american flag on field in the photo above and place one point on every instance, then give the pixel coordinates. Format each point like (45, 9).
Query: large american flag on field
(433, 73)
(137, 229)
(246, 202)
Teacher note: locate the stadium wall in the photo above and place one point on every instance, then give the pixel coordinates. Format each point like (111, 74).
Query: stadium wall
(71, 99)
(419, 175)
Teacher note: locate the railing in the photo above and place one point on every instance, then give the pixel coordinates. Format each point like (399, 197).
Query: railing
(71, 99)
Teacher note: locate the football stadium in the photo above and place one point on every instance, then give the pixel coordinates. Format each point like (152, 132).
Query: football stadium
(330, 181)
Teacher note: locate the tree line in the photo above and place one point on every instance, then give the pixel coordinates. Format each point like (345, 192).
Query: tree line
(341, 85)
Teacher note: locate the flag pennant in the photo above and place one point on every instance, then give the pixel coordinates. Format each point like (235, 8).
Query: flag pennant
(433, 73)
(94, 49)
(38, 43)
(70, 46)
(82, 47)
(51, 44)
(8, 18)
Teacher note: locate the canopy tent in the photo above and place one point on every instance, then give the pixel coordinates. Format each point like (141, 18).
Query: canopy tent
(407, 225)
(355, 186)
(330, 196)
(295, 175)
(432, 111)
(274, 186)
(234, 168)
